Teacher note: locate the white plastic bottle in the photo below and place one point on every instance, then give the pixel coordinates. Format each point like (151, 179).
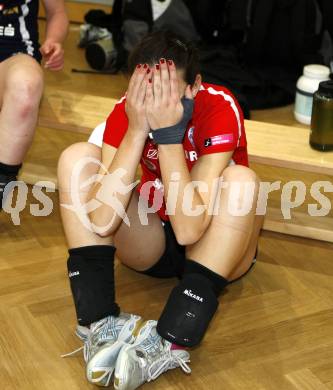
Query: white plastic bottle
(307, 85)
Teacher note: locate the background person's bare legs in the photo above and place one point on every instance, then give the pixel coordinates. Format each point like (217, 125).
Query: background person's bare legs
(21, 86)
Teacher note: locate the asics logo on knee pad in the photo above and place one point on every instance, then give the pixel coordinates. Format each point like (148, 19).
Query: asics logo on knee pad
(190, 294)
(75, 273)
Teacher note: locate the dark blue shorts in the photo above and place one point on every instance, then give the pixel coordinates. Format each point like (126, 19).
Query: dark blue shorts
(7, 53)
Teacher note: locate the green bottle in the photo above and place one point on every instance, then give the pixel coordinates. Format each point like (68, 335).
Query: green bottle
(321, 136)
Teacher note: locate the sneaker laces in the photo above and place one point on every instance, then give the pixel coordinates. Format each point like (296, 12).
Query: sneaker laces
(101, 332)
(167, 362)
(76, 351)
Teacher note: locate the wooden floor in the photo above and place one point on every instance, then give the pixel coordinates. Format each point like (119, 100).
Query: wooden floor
(273, 330)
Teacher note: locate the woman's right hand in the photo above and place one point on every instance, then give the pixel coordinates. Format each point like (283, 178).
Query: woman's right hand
(135, 98)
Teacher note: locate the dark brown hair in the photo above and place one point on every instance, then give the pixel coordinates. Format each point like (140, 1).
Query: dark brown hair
(165, 44)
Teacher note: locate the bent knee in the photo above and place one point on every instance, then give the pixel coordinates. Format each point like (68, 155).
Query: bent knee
(71, 155)
(24, 86)
(77, 162)
(239, 173)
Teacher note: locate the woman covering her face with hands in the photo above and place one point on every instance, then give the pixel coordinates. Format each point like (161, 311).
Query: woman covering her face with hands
(181, 221)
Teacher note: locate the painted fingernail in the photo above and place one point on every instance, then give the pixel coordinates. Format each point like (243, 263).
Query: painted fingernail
(150, 81)
(138, 66)
(148, 70)
(162, 61)
(157, 67)
(145, 66)
(170, 62)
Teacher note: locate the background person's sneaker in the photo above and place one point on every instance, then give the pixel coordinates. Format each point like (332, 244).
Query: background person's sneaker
(147, 358)
(103, 344)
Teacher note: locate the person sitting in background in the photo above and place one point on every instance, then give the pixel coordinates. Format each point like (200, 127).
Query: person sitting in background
(21, 76)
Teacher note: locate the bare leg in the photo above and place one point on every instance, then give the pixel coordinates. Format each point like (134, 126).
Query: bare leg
(21, 86)
(229, 244)
(76, 233)
(227, 247)
(131, 242)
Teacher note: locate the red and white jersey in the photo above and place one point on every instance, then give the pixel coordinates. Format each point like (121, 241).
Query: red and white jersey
(217, 126)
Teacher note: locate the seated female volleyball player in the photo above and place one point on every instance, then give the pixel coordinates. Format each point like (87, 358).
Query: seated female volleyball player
(21, 77)
(182, 132)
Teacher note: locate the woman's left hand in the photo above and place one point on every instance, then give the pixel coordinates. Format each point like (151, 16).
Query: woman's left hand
(163, 104)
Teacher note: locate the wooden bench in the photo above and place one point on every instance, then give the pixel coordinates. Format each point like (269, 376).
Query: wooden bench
(288, 147)
(268, 144)
(285, 146)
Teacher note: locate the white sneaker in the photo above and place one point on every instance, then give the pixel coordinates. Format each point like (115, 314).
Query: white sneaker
(146, 359)
(82, 332)
(104, 341)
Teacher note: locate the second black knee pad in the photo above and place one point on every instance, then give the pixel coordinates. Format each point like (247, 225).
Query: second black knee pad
(188, 312)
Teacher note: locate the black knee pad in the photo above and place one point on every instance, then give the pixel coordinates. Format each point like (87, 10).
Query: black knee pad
(92, 283)
(188, 312)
